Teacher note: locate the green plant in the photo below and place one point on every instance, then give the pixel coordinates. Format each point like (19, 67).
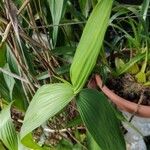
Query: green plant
(36, 52)
(136, 41)
(57, 96)
(51, 98)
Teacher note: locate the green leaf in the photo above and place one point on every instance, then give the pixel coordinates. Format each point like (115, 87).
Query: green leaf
(92, 145)
(74, 12)
(63, 69)
(2, 146)
(7, 131)
(94, 2)
(2, 55)
(145, 7)
(12, 61)
(29, 142)
(90, 44)
(56, 8)
(4, 91)
(85, 6)
(18, 94)
(47, 101)
(147, 83)
(141, 77)
(64, 50)
(119, 63)
(74, 122)
(100, 120)
(10, 82)
(129, 64)
(18, 2)
(134, 69)
(21, 146)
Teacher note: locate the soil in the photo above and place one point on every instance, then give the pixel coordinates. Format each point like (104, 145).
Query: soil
(128, 88)
(17, 117)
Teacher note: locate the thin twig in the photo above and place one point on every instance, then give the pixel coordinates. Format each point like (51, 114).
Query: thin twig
(52, 25)
(74, 23)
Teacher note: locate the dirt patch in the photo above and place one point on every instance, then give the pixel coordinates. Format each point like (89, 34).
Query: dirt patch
(128, 88)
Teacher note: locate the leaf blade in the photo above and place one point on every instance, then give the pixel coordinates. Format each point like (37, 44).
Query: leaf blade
(90, 44)
(100, 119)
(56, 8)
(10, 82)
(48, 101)
(7, 131)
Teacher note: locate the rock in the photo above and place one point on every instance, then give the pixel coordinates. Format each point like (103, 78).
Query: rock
(133, 138)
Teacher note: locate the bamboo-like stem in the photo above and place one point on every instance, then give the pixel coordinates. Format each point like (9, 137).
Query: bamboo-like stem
(7, 30)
